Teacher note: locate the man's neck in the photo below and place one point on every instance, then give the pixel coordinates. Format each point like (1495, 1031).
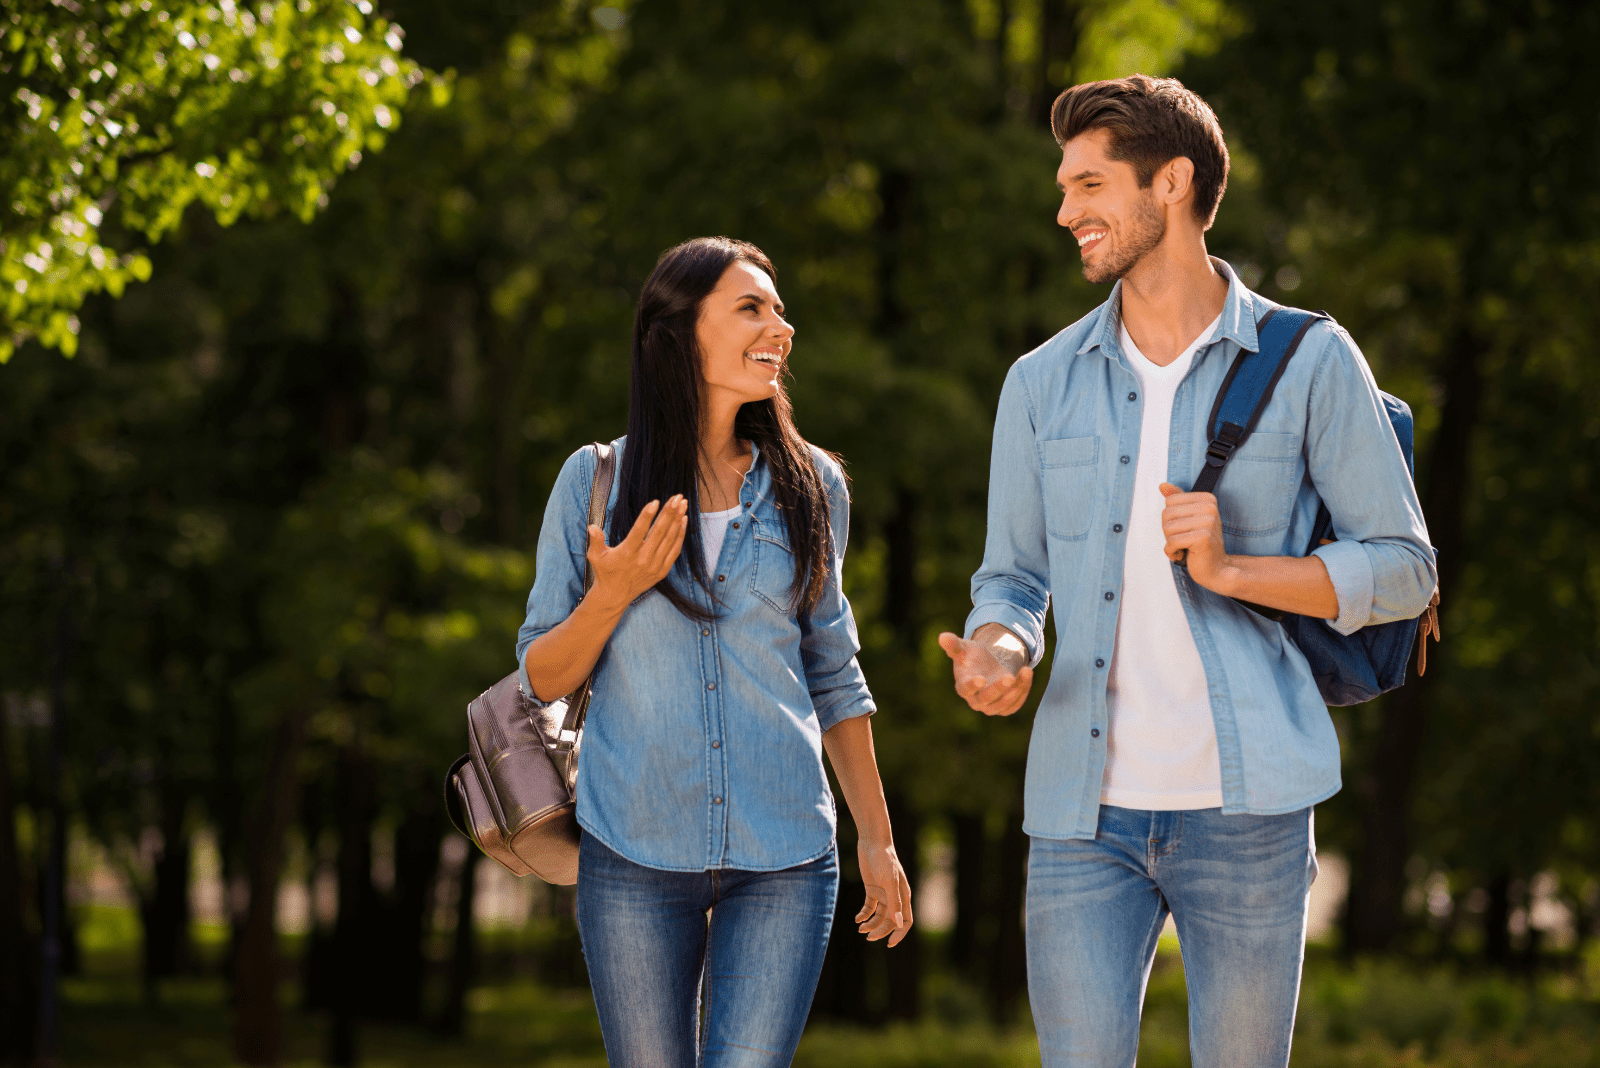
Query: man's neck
(1169, 297)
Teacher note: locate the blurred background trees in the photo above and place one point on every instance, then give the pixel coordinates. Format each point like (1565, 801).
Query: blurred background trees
(269, 529)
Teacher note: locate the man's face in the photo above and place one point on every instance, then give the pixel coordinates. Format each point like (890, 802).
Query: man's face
(1116, 222)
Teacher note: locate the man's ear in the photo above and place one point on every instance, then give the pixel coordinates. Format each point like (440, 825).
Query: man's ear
(1175, 181)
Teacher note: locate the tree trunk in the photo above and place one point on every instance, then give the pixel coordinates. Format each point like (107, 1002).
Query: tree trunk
(18, 980)
(1497, 922)
(842, 987)
(905, 960)
(416, 867)
(971, 866)
(257, 1013)
(1058, 43)
(165, 914)
(463, 962)
(349, 979)
(1008, 960)
(1375, 919)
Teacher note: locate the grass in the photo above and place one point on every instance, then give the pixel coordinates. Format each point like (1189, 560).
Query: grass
(1376, 1013)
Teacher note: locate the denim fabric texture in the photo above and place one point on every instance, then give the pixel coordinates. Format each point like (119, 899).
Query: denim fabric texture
(649, 945)
(1236, 887)
(1066, 443)
(703, 744)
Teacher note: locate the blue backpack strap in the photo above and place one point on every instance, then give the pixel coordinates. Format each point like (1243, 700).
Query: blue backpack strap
(1248, 388)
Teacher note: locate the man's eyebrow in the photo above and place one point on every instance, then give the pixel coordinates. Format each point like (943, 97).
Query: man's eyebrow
(1081, 175)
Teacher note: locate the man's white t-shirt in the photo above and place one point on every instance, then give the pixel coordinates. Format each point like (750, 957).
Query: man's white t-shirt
(1161, 750)
(713, 529)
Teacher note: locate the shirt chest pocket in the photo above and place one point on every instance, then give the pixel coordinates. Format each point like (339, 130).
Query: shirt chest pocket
(1257, 490)
(772, 576)
(1068, 467)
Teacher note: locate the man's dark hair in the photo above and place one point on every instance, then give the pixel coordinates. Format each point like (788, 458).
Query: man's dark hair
(1152, 121)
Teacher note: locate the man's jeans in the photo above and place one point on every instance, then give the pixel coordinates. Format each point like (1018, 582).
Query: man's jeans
(648, 942)
(1236, 887)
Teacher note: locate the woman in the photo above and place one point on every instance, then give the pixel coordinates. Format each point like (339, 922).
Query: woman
(724, 654)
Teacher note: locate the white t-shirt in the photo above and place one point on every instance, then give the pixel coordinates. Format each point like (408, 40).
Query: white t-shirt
(713, 529)
(1161, 750)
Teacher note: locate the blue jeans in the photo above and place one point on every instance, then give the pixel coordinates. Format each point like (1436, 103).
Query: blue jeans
(755, 938)
(1236, 887)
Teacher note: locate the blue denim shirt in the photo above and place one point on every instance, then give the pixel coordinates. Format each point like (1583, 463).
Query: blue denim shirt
(1066, 442)
(703, 744)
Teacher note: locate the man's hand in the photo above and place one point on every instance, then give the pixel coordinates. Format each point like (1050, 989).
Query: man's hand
(991, 672)
(1193, 527)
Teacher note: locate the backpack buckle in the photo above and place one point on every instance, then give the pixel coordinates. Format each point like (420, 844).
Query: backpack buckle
(1223, 444)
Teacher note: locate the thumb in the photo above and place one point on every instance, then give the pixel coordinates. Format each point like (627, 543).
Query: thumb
(1168, 489)
(597, 540)
(954, 646)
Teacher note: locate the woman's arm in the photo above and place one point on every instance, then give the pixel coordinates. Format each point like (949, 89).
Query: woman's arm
(561, 658)
(887, 909)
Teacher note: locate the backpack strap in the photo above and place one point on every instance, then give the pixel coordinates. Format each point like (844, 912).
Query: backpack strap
(1248, 387)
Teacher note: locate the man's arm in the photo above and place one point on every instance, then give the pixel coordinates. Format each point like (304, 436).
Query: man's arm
(993, 665)
(1381, 568)
(1193, 526)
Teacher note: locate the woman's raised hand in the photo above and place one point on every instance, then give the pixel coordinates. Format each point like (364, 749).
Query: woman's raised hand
(626, 570)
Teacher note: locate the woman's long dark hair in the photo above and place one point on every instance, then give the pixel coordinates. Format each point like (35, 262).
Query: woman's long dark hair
(664, 412)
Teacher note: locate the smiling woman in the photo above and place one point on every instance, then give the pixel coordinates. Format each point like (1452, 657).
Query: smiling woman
(720, 676)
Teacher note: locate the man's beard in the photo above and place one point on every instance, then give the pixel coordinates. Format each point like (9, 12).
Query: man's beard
(1146, 229)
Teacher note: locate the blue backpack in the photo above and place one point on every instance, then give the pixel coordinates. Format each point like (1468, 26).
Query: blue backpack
(1348, 669)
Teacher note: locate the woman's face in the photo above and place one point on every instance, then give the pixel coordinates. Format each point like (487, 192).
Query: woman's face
(744, 340)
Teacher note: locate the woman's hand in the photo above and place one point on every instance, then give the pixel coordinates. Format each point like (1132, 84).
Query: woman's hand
(626, 570)
(887, 909)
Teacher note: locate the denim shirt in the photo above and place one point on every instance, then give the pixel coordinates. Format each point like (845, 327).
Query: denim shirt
(1066, 442)
(703, 743)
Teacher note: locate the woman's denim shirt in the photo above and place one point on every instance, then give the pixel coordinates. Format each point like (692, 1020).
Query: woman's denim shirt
(703, 744)
(1066, 443)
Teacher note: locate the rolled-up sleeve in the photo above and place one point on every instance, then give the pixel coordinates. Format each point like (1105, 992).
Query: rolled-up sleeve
(828, 638)
(1012, 586)
(1382, 563)
(563, 545)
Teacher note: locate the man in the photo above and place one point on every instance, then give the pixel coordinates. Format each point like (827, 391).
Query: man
(1181, 743)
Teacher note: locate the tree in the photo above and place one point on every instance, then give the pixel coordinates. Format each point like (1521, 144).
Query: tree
(124, 113)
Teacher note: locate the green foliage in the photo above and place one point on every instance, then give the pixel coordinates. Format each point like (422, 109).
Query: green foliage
(137, 110)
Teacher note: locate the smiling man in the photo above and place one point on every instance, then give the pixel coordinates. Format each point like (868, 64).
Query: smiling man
(1182, 742)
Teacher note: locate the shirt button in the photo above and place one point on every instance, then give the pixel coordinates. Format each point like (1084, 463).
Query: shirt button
(1133, 396)
(705, 632)
(713, 686)
(1110, 596)
(1124, 459)
(747, 504)
(1116, 528)
(716, 745)
(736, 526)
(1099, 662)
(718, 800)
(1095, 733)
(722, 578)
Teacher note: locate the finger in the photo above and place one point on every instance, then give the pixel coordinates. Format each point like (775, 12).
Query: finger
(641, 527)
(954, 646)
(997, 689)
(1006, 703)
(661, 527)
(597, 543)
(903, 920)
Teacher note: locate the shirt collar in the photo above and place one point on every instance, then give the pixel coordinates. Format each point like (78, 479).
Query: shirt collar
(1238, 317)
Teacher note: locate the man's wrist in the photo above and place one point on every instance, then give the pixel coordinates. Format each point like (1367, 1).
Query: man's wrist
(1004, 645)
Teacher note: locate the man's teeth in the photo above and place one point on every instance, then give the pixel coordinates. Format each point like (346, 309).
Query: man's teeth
(1093, 235)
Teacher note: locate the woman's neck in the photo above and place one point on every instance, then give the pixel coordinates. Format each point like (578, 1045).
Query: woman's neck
(718, 443)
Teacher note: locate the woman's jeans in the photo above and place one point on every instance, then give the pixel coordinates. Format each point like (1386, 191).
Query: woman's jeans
(1237, 888)
(650, 937)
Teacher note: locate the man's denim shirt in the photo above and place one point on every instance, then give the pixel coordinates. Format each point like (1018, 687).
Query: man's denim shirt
(703, 743)
(1066, 441)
